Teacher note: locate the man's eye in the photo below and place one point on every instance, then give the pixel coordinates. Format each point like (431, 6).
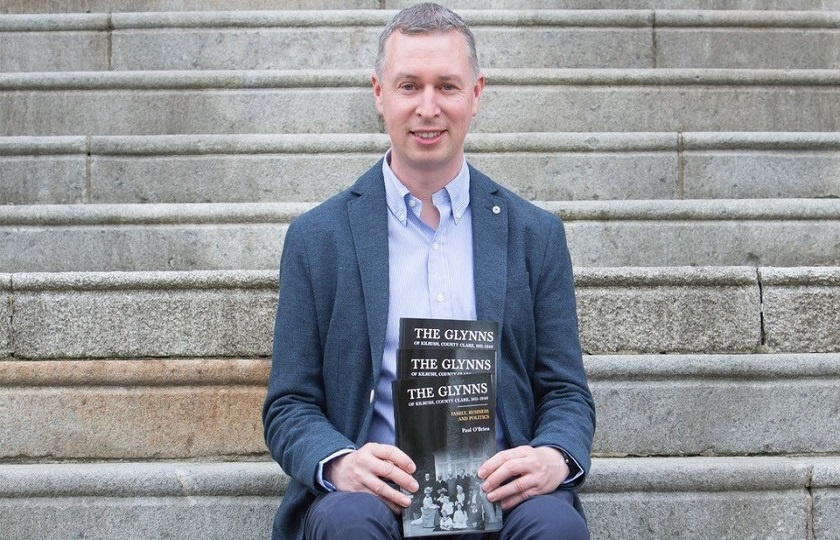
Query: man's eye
(407, 87)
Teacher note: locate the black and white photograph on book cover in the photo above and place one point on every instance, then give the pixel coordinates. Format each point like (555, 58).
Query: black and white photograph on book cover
(447, 426)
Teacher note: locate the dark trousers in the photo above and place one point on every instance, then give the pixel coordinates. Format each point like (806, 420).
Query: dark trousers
(361, 516)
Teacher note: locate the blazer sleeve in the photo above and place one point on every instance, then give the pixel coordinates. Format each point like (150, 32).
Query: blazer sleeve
(297, 431)
(564, 414)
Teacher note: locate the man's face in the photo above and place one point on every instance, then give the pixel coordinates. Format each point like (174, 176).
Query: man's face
(427, 96)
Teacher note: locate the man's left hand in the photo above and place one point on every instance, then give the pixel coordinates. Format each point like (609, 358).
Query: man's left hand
(531, 471)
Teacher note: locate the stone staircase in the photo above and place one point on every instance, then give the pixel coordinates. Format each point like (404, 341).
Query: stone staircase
(152, 153)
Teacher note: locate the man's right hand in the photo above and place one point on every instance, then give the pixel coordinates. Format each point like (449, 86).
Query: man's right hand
(370, 468)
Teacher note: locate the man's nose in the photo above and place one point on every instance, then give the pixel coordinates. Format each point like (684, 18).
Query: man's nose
(428, 105)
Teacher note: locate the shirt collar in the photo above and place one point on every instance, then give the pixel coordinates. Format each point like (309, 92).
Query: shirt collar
(398, 196)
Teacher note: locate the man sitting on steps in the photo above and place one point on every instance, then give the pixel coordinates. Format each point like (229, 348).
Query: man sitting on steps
(423, 234)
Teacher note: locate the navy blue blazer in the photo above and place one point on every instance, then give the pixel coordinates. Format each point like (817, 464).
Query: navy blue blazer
(330, 330)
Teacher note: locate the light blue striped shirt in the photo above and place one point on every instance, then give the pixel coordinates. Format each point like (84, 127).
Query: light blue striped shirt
(430, 272)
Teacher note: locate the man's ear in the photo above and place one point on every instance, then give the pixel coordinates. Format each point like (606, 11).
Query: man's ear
(377, 93)
(478, 89)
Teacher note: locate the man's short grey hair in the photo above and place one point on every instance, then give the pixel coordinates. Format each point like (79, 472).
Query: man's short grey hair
(427, 18)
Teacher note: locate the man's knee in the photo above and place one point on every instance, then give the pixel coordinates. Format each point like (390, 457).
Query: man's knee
(350, 515)
(550, 516)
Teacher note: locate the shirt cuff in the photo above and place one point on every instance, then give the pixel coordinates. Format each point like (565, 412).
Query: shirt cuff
(319, 474)
(575, 470)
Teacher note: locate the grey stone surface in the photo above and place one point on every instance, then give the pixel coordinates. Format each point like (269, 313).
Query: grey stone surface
(5, 315)
(650, 405)
(140, 500)
(118, 315)
(767, 165)
(660, 310)
(42, 170)
(185, 102)
(97, 423)
(245, 168)
(114, 103)
(131, 409)
(119, 243)
(230, 236)
(311, 167)
(702, 233)
(733, 40)
(106, 6)
(702, 498)
(636, 499)
(800, 307)
(286, 40)
(66, 50)
(826, 491)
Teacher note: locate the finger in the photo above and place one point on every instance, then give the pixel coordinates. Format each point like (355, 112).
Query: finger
(387, 452)
(393, 497)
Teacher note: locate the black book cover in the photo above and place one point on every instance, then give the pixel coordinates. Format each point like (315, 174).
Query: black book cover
(444, 361)
(447, 425)
(451, 333)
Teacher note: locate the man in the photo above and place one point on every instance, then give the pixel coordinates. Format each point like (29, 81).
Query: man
(422, 234)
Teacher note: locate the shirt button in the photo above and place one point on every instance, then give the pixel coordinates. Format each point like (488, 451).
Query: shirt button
(440, 297)
(435, 246)
(497, 210)
(412, 203)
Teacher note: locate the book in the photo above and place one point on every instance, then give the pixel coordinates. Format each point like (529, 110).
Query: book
(444, 361)
(448, 427)
(452, 333)
(445, 420)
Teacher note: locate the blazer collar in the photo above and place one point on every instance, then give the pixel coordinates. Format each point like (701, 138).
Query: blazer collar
(490, 234)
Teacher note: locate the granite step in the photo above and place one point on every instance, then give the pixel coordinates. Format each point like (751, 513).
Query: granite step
(311, 168)
(340, 101)
(231, 236)
(704, 498)
(108, 6)
(209, 408)
(348, 39)
(210, 314)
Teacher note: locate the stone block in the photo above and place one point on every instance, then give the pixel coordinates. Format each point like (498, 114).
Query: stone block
(747, 40)
(132, 409)
(124, 103)
(137, 315)
(579, 166)
(251, 168)
(654, 100)
(702, 233)
(699, 498)
(761, 166)
(659, 310)
(109, 6)
(42, 170)
(247, 168)
(825, 487)
(799, 306)
(5, 315)
(142, 238)
(286, 40)
(54, 43)
(715, 404)
(140, 500)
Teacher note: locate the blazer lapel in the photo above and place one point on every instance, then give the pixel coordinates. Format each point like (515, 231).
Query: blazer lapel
(490, 239)
(369, 225)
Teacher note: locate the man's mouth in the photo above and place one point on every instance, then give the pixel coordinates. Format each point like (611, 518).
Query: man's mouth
(428, 135)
